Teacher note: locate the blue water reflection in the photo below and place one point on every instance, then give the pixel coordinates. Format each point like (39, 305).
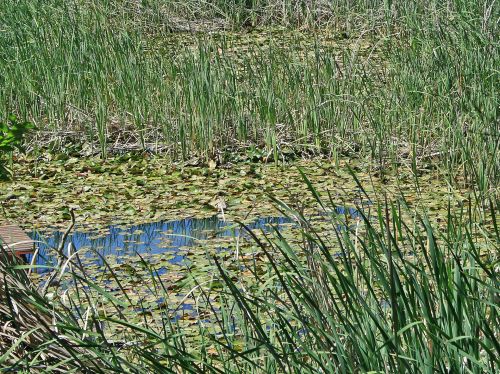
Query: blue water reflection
(164, 236)
(150, 238)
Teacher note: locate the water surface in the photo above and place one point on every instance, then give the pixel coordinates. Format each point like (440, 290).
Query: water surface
(149, 238)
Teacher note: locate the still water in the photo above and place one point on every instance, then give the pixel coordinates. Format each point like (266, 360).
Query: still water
(156, 238)
(149, 238)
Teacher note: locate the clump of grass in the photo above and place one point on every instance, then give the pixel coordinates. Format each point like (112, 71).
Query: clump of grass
(388, 295)
(35, 336)
(42, 333)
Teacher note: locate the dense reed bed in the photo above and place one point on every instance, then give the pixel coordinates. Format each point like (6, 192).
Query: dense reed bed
(390, 81)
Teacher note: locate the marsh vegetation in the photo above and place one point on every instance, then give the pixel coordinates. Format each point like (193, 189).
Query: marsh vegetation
(255, 186)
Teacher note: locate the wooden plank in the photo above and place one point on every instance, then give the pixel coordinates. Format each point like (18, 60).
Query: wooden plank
(14, 238)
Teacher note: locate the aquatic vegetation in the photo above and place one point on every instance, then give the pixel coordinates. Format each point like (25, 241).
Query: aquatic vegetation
(138, 190)
(259, 186)
(402, 296)
(400, 87)
(385, 294)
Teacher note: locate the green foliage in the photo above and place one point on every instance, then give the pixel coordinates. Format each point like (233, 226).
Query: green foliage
(395, 81)
(11, 136)
(389, 295)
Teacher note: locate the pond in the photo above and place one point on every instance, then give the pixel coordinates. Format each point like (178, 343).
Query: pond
(120, 243)
(148, 239)
(122, 258)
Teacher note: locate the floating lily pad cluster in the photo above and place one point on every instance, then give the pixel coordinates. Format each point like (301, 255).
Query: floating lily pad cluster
(152, 189)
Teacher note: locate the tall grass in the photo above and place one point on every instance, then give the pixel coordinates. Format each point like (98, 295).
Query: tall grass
(34, 336)
(412, 82)
(390, 293)
(40, 334)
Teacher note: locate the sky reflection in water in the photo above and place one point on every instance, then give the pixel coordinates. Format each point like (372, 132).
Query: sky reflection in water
(158, 237)
(151, 238)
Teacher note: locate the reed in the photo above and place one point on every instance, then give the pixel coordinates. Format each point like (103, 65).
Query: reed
(390, 295)
(412, 83)
(399, 84)
(34, 336)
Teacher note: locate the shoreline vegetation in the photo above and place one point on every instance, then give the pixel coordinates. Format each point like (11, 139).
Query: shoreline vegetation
(125, 112)
(407, 82)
